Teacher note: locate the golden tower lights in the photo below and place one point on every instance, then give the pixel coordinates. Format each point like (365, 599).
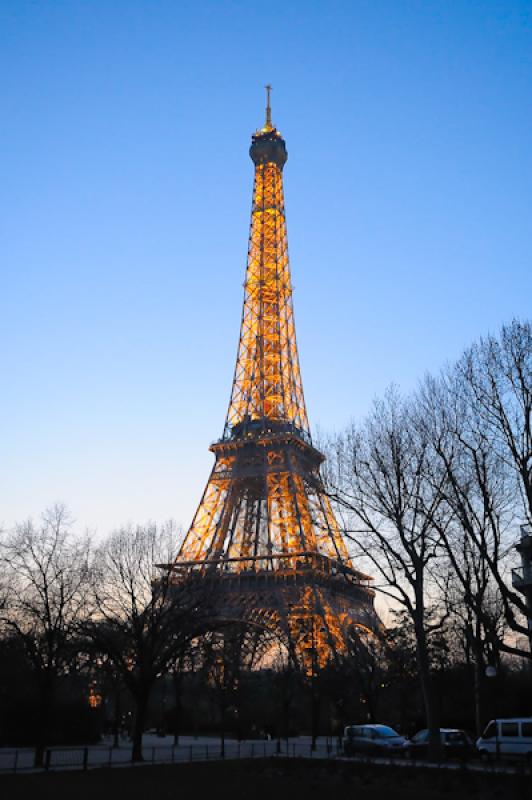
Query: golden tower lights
(264, 516)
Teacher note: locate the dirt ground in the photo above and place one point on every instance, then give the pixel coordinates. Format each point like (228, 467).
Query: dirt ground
(265, 780)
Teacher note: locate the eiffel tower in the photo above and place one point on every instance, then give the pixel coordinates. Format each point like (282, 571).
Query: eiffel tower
(265, 531)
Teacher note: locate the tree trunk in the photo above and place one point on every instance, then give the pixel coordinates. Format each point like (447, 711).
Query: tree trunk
(370, 706)
(427, 690)
(116, 722)
(315, 700)
(478, 668)
(223, 704)
(177, 709)
(141, 702)
(45, 707)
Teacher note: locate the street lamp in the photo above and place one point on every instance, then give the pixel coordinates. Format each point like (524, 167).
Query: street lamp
(491, 673)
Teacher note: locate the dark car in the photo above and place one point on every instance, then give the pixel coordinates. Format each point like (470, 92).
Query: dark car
(372, 740)
(455, 743)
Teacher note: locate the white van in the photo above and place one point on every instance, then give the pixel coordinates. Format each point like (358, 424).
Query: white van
(507, 737)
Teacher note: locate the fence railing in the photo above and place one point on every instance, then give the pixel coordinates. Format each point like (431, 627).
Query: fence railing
(98, 756)
(80, 758)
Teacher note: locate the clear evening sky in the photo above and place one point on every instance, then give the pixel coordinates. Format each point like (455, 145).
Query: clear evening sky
(125, 193)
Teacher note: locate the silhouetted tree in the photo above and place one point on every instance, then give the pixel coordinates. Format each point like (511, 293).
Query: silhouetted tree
(143, 616)
(478, 491)
(497, 379)
(494, 382)
(380, 481)
(478, 418)
(48, 571)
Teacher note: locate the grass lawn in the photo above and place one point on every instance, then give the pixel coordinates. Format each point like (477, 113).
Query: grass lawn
(264, 780)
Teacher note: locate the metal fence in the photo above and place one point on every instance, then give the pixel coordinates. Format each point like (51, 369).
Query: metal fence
(98, 756)
(80, 758)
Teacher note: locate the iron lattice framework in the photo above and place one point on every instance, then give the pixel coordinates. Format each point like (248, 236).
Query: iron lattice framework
(267, 384)
(265, 531)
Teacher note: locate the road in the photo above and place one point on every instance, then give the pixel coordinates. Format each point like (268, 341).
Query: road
(161, 750)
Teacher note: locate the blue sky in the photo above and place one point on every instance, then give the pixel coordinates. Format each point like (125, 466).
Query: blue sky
(125, 192)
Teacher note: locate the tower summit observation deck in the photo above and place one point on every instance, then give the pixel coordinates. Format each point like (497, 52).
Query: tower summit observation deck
(264, 530)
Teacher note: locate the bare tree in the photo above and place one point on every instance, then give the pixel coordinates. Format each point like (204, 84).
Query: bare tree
(361, 667)
(4, 583)
(431, 487)
(380, 482)
(222, 658)
(186, 661)
(48, 571)
(288, 682)
(497, 382)
(480, 487)
(143, 616)
(478, 490)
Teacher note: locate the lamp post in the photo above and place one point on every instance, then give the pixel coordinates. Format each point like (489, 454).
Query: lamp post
(491, 674)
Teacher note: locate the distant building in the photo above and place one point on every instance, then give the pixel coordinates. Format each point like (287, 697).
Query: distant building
(522, 578)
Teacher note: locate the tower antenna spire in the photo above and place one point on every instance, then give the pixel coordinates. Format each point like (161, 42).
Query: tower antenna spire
(268, 107)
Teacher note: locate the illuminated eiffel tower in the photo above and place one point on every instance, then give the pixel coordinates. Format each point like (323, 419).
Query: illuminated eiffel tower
(265, 531)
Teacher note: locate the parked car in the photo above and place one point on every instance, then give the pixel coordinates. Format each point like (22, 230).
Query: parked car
(506, 737)
(372, 740)
(455, 743)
